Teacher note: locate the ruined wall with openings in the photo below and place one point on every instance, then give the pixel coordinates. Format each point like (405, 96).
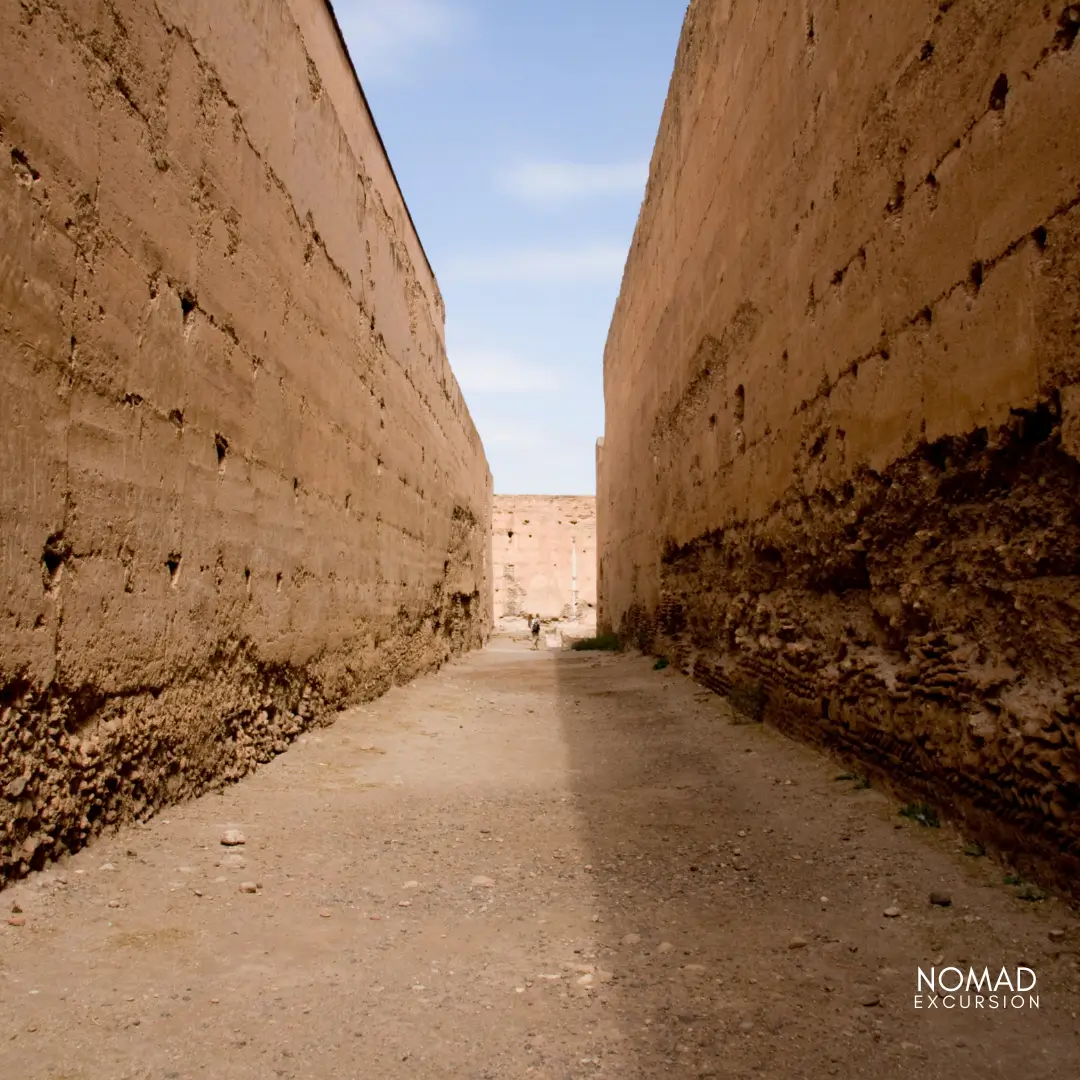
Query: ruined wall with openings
(533, 544)
(839, 479)
(239, 486)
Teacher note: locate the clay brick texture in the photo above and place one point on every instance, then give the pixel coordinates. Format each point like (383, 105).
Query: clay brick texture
(542, 547)
(838, 479)
(240, 486)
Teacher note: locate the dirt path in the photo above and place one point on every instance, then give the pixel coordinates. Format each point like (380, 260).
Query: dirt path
(531, 864)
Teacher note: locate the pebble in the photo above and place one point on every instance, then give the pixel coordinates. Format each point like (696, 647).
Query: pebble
(632, 939)
(665, 947)
(325, 913)
(486, 882)
(248, 887)
(940, 899)
(411, 885)
(232, 838)
(892, 913)
(114, 903)
(797, 943)
(746, 1025)
(107, 866)
(1057, 935)
(870, 999)
(17, 920)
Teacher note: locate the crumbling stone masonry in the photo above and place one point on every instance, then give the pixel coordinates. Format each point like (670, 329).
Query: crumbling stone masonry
(240, 487)
(839, 479)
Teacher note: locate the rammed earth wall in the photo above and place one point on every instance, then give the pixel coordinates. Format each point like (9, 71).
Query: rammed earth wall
(240, 487)
(542, 547)
(839, 479)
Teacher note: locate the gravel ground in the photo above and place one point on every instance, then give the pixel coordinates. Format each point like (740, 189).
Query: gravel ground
(531, 864)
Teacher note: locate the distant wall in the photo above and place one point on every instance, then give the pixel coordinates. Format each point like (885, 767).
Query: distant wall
(239, 486)
(839, 475)
(534, 538)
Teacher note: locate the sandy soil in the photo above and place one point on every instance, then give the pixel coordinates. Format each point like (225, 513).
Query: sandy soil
(532, 864)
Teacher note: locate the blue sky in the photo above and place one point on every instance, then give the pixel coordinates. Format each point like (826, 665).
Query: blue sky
(521, 132)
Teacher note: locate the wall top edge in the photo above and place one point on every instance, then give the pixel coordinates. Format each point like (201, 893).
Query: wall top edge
(549, 498)
(378, 134)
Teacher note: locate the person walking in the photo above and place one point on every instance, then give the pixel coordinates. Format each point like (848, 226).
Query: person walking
(535, 632)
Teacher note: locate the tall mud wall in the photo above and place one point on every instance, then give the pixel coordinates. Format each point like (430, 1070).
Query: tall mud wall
(537, 541)
(240, 487)
(839, 478)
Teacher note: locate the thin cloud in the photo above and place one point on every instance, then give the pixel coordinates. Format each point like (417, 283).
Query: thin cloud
(386, 39)
(562, 182)
(486, 372)
(597, 262)
(522, 438)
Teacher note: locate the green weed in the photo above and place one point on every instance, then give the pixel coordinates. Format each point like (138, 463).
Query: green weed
(923, 814)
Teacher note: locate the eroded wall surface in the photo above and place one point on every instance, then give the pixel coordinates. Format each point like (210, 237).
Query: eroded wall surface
(541, 545)
(240, 486)
(839, 475)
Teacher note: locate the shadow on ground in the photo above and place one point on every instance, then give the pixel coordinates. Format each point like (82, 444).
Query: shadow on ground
(747, 891)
